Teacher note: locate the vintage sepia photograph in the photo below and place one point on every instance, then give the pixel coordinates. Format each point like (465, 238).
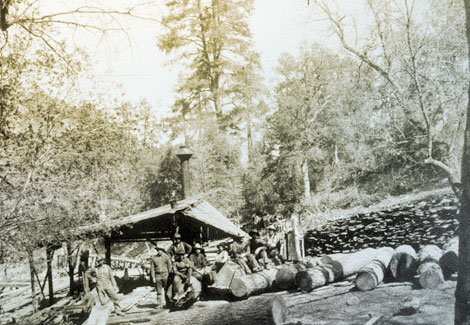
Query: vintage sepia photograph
(232, 162)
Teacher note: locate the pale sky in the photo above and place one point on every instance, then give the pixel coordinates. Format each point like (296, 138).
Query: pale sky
(134, 61)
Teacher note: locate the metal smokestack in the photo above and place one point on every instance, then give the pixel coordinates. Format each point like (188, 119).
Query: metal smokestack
(184, 154)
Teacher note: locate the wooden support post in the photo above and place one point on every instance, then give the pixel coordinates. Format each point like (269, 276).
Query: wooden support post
(70, 262)
(107, 245)
(49, 255)
(33, 290)
(41, 286)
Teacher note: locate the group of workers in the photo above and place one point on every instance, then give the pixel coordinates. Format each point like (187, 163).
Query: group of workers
(174, 267)
(171, 270)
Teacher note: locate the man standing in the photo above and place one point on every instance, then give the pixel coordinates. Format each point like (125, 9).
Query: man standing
(160, 268)
(106, 284)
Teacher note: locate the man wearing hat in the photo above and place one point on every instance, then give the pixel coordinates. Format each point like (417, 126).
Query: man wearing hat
(106, 284)
(182, 269)
(199, 261)
(160, 268)
(258, 248)
(274, 242)
(179, 245)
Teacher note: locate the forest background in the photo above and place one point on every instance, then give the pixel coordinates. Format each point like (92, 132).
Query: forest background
(382, 114)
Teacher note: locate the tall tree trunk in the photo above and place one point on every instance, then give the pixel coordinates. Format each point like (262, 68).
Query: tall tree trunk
(249, 135)
(306, 180)
(462, 293)
(31, 270)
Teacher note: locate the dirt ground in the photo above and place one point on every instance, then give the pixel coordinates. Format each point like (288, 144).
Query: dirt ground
(395, 303)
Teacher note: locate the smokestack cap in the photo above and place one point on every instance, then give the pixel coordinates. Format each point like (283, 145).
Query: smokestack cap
(184, 153)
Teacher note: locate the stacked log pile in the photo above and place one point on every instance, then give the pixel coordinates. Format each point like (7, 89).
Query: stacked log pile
(415, 224)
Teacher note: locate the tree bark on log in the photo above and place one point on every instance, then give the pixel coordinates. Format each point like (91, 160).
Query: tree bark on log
(256, 310)
(226, 274)
(285, 277)
(282, 304)
(429, 272)
(371, 275)
(449, 261)
(342, 266)
(251, 284)
(404, 263)
(327, 259)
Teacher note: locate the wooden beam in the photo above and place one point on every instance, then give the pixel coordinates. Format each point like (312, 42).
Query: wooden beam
(14, 284)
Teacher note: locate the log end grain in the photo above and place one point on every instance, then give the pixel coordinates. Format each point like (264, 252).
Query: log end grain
(366, 281)
(239, 288)
(304, 281)
(285, 277)
(430, 275)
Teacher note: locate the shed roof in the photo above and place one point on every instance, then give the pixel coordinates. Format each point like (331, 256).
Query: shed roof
(194, 216)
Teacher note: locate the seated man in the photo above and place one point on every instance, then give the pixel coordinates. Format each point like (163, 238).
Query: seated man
(179, 245)
(221, 258)
(242, 256)
(199, 262)
(258, 248)
(182, 271)
(274, 241)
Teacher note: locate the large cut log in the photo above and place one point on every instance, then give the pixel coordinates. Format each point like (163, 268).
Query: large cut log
(327, 259)
(223, 279)
(189, 297)
(342, 266)
(449, 260)
(254, 283)
(99, 314)
(281, 304)
(371, 275)
(255, 310)
(226, 274)
(285, 277)
(404, 263)
(429, 272)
